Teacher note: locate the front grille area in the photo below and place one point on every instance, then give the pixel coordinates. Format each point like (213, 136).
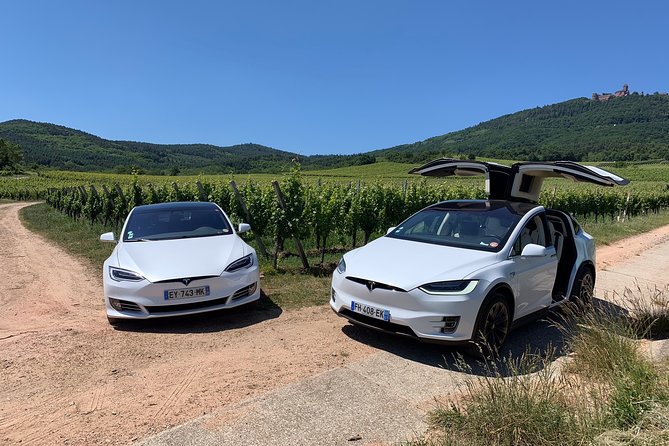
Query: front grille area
(186, 306)
(377, 323)
(376, 285)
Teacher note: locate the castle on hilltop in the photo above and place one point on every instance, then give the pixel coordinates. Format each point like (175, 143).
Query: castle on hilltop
(606, 96)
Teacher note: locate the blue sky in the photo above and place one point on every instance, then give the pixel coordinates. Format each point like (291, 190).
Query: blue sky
(316, 77)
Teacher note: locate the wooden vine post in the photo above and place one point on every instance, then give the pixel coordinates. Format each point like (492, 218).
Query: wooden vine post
(247, 215)
(627, 205)
(109, 215)
(119, 218)
(298, 243)
(201, 191)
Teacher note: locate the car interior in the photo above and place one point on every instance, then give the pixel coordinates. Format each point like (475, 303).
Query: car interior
(563, 240)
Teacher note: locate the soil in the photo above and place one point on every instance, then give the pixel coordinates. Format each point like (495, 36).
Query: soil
(630, 247)
(69, 378)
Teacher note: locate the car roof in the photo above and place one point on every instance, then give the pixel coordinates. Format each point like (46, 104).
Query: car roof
(176, 206)
(514, 207)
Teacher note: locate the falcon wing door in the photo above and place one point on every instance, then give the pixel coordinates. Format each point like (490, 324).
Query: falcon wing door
(497, 176)
(527, 178)
(522, 181)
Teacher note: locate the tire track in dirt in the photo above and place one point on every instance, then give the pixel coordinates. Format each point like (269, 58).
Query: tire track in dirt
(178, 391)
(97, 399)
(28, 418)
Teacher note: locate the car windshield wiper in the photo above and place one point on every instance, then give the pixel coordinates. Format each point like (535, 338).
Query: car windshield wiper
(140, 240)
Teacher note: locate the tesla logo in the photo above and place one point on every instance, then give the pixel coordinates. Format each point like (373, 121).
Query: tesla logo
(186, 281)
(371, 285)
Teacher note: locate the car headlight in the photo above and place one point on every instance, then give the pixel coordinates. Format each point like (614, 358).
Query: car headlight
(341, 266)
(450, 288)
(124, 275)
(244, 262)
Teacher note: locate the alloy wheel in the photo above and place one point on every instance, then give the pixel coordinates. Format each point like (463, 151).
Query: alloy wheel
(496, 325)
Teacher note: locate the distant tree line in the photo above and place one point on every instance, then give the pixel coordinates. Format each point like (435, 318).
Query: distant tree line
(11, 156)
(60, 147)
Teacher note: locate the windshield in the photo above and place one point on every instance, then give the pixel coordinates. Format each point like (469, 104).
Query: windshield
(162, 224)
(482, 227)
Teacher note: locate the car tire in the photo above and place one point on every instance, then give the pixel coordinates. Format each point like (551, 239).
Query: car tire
(492, 328)
(584, 286)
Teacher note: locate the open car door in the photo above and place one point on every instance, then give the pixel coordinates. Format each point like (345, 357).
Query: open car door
(521, 181)
(497, 176)
(529, 177)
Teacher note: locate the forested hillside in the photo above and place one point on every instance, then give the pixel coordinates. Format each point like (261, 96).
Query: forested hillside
(65, 148)
(635, 127)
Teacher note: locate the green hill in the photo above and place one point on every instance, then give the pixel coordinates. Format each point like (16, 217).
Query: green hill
(635, 127)
(61, 147)
(631, 128)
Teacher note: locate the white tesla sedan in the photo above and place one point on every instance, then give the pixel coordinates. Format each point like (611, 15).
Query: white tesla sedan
(469, 270)
(178, 258)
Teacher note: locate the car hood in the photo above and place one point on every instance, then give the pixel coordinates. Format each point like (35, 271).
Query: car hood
(407, 265)
(175, 259)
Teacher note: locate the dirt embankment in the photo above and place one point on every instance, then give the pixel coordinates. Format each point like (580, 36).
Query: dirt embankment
(69, 378)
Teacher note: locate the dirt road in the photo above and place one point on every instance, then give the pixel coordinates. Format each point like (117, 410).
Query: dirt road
(69, 378)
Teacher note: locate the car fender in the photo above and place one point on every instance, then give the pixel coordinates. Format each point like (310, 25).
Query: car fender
(490, 289)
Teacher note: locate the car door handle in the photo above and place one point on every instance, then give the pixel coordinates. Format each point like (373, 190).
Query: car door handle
(554, 255)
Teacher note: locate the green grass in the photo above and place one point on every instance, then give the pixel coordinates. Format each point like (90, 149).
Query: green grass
(608, 393)
(380, 170)
(531, 406)
(291, 290)
(77, 237)
(606, 231)
(605, 351)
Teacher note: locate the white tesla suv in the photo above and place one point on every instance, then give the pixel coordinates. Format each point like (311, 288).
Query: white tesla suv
(469, 270)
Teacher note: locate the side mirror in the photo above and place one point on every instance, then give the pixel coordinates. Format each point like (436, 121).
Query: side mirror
(533, 250)
(108, 237)
(391, 229)
(243, 227)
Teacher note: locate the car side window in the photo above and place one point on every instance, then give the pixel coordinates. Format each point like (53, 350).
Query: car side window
(535, 231)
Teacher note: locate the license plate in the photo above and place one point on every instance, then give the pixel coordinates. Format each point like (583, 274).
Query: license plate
(368, 310)
(184, 293)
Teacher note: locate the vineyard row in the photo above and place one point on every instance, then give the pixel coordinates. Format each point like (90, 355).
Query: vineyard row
(330, 214)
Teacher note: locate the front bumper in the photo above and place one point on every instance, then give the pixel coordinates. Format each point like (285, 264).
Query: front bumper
(413, 313)
(146, 300)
